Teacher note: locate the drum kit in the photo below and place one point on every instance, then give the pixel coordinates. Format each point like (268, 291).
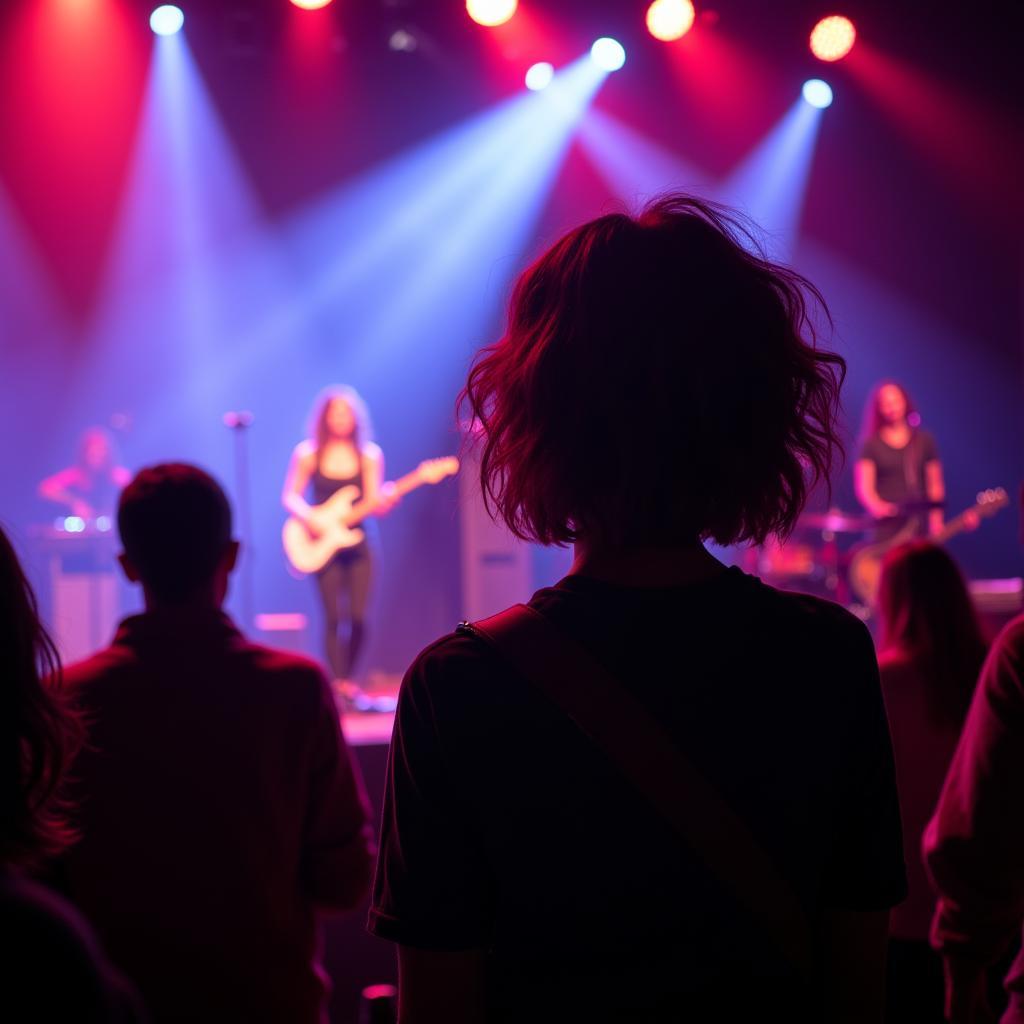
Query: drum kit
(813, 559)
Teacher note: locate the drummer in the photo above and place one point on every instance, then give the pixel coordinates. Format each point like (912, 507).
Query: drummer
(89, 488)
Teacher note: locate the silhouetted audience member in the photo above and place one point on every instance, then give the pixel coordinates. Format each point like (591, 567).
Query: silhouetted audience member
(931, 651)
(658, 385)
(52, 966)
(220, 809)
(974, 844)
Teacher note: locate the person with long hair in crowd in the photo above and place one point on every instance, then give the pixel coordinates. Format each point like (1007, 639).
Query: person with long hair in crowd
(930, 653)
(340, 452)
(54, 968)
(662, 790)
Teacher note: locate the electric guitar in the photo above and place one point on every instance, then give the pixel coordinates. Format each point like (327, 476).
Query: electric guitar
(335, 526)
(866, 564)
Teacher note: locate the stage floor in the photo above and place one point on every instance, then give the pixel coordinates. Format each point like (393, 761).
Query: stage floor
(367, 729)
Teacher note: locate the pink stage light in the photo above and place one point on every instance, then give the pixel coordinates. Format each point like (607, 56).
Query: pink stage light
(833, 38)
(491, 12)
(668, 20)
(311, 5)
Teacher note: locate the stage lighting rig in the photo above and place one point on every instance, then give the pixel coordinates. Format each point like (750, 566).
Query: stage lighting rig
(491, 12)
(817, 93)
(833, 38)
(608, 54)
(668, 20)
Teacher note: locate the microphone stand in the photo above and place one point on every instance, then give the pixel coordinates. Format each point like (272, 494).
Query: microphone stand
(238, 423)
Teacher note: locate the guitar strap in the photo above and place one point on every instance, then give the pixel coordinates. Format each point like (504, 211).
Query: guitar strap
(630, 737)
(912, 474)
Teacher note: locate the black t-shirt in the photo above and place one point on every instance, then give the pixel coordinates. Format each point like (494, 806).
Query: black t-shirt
(505, 829)
(899, 472)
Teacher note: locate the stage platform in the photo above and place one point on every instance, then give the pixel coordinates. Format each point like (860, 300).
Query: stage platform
(366, 729)
(353, 958)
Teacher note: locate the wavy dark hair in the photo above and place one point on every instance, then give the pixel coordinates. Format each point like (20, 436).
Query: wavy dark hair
(927, 614)
(659, 381)
(39, 733)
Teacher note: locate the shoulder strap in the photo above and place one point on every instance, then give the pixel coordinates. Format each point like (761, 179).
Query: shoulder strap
(628, 734)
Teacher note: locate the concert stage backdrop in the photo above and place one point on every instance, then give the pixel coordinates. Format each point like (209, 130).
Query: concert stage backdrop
(273, 200)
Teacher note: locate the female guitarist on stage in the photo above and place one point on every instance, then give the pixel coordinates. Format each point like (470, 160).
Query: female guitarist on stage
(898, 465)
(339, 453)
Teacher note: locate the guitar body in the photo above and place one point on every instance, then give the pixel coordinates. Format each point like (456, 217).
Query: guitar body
(308, 553)
(866, 563)
(337, 524)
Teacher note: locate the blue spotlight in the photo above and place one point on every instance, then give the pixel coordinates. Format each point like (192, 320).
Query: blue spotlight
(539, 76)
(608, 54)
(166, 20)
(818, 93)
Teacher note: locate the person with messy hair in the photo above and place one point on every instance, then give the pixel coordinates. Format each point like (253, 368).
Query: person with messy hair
(662, 790)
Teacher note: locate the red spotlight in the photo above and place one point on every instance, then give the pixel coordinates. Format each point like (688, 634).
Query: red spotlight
(311, 5)
(491, 12)
(833, 38)
(670, 19)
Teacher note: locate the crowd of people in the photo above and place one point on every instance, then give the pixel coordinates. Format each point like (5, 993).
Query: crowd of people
(661, 791)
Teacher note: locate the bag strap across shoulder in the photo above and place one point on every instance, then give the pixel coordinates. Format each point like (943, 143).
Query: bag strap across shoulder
(631, 737)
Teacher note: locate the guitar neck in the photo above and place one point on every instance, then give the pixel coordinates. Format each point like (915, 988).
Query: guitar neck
(403, 486)
(955, 525)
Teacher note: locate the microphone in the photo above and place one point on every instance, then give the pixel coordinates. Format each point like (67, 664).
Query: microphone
(238, 420)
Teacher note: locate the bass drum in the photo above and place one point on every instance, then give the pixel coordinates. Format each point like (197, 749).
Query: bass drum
(794, 565)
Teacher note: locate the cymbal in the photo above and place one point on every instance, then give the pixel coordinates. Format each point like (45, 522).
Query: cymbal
(835, 521)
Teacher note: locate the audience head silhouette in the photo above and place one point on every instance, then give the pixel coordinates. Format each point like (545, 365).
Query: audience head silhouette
(659, 382)
(175, 526)
(38, 734)
(926, 612)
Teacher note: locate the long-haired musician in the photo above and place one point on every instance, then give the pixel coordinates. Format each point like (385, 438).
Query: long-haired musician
(340, 453)
(90, 486)
(898, 467)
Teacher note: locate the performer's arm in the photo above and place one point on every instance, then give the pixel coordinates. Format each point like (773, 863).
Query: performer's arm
(864, 482)
(378, 496)
(300, 469)
(935, 488)
(59, 488)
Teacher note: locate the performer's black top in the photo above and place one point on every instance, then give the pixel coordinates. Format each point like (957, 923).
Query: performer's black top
(899, 474)
(325, 487)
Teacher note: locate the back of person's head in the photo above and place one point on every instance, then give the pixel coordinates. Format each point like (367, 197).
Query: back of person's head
(659, 381)
(175, 526)
(38, 733)
(925, 611)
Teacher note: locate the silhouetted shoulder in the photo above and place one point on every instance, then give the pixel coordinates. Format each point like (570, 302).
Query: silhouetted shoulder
(103, 663)
(817, 618)
(293, 673)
